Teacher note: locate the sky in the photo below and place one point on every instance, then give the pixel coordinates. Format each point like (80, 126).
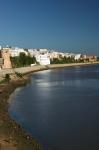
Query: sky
(68, 25)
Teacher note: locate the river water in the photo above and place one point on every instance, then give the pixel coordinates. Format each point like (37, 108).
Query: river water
(60, 108)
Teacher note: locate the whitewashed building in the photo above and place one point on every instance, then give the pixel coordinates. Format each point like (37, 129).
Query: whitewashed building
(43, 51)
(16, 51)
(77, 56)
(33, 52)
(43, 59)
(53, 55)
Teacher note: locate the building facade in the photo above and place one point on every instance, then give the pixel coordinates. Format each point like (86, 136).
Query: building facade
(43, 59)
(6, 59)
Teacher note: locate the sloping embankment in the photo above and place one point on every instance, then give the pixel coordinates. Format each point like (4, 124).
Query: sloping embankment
(26, 70)
(12, 136)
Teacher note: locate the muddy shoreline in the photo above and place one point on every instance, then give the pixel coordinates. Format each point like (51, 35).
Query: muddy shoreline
(12, 135)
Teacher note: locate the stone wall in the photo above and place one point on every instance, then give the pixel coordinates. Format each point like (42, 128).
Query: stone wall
(6, 57)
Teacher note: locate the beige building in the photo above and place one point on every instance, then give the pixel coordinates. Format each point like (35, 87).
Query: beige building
(92, 58)
(53, 55)
(6, 58)
(87, 58)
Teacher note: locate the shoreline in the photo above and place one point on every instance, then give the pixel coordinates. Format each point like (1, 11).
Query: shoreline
(12, 135)
(36, 68)
(71, 65)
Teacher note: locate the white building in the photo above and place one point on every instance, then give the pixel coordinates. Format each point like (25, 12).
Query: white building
(62, 54)
(43, 51)
(43, 59)
(77, 56)
(67, 55)
(16, 51)
(54, 54)
(33, 52)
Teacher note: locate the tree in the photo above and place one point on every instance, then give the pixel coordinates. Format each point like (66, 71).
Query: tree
(19, 75)
(63, 60)
(22, 60)
(97, 58)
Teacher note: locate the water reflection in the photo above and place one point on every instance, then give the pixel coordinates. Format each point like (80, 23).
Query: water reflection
(61, 108)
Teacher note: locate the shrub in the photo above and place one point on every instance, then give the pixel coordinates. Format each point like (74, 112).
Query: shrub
(19, 75)
(7, 78)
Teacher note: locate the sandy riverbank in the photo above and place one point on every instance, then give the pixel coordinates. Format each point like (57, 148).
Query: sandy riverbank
(70, 65)
(27, 70)
(12, 136)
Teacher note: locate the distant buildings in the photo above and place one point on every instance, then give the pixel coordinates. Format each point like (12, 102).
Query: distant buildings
(15, 51)
(43, 56)
(77, 56)
(43, 59)
(33, 52)
(87, 58)
(53, 55)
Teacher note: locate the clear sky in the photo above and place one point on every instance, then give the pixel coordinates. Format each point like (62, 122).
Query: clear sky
(70, 25)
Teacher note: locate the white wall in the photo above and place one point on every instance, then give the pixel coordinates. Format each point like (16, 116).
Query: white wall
(77, 56)
(43, 59)
(16, 52)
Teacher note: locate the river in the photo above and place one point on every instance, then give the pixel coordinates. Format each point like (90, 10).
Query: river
(60, 108)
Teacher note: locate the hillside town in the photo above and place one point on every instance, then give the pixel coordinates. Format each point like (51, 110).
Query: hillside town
(42, 56)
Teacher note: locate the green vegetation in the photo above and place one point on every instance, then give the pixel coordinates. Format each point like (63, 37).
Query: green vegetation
(97, 58)
(22, 60)
(19, 75)
(7, 78)
(64, 60)
(2, 81)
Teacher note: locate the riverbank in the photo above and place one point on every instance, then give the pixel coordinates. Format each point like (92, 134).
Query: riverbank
(12, 136)
(27, 70)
